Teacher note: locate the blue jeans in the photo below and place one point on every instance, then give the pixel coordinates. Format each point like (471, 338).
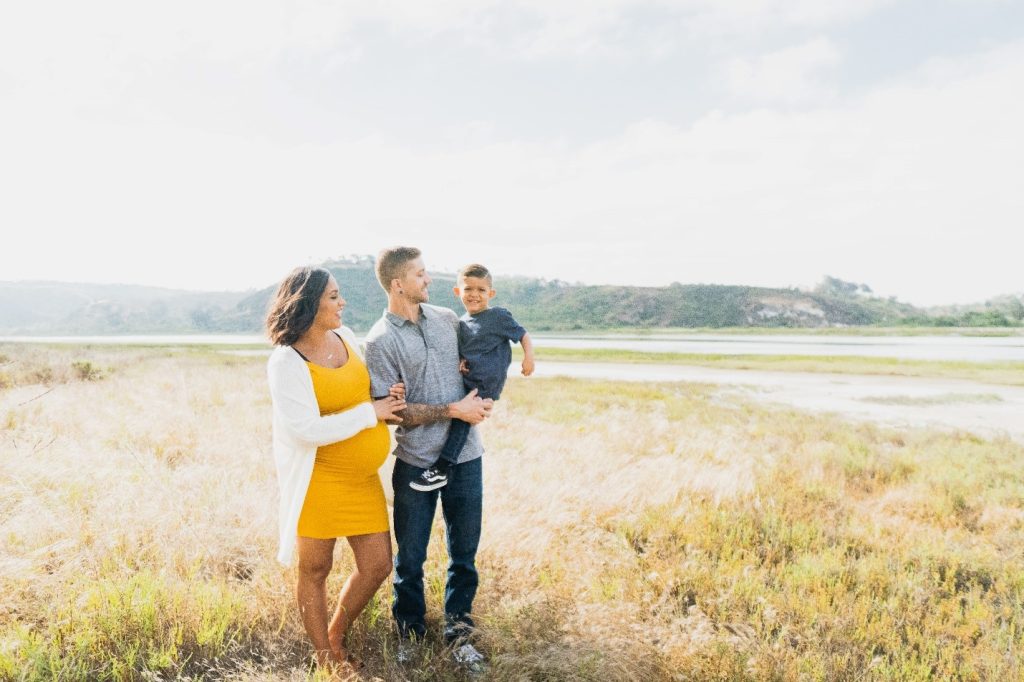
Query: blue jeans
(458, 430)
(462, 508)
(458, 434)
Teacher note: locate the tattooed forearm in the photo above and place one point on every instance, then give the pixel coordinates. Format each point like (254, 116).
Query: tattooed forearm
(415, 414)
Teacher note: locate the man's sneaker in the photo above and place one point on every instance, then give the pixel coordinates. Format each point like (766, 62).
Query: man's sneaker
(467, 657)
(408, 650)
(430, 479)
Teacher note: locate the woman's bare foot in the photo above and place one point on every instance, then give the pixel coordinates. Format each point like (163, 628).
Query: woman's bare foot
(338, 667)
(336, 638)
(324, 659)
(344, 655)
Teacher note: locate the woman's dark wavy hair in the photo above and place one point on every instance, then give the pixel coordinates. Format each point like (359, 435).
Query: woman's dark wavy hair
(293, 308)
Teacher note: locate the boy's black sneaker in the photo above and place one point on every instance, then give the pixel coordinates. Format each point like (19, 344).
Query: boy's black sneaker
(431, 479)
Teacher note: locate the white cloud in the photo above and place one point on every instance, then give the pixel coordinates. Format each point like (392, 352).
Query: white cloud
(794, 75)
(540, 29)
(912, 189)
(98, 35)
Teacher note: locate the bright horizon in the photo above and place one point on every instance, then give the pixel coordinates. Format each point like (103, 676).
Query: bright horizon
(434, 289)
(633, 142)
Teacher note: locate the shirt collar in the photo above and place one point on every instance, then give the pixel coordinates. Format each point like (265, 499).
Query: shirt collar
(398, 320)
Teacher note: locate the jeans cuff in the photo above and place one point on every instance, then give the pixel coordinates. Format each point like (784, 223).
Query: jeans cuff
(412, 631)
(458, 628)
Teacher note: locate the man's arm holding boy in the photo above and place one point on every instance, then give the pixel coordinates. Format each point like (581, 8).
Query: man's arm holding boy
(384, 372)
(471, 409)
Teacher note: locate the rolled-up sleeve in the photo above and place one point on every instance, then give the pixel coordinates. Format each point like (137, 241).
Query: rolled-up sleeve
(382, 366)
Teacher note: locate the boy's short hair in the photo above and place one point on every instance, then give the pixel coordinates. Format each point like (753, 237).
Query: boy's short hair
(391, 264)
(476, 270)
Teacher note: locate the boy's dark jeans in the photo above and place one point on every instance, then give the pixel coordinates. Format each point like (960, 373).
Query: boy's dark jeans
(458, 432)
(462, 507)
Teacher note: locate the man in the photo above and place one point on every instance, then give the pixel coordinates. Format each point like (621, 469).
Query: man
(417, 344)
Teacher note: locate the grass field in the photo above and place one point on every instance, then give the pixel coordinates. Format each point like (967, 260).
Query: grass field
(632, 532)
(1001, 372)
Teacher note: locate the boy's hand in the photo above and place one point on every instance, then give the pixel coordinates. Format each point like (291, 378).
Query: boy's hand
(527, 366)
(527, 343)
(463, 366)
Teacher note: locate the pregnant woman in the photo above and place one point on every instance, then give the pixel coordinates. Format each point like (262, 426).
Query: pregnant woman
(329, 441)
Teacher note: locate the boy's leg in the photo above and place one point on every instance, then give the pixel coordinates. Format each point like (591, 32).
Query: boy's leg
(458, 432)
(414, 515)
(462, 507)
(436, 475)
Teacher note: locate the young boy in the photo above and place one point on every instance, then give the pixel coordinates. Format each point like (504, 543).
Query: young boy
(484, 335)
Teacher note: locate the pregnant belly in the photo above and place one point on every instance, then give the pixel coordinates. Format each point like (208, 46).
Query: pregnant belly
(363, 453)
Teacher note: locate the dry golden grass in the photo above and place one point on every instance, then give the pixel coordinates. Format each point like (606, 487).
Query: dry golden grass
(652, 533)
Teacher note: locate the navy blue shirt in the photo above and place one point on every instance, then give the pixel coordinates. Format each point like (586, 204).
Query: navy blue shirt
(484, 342)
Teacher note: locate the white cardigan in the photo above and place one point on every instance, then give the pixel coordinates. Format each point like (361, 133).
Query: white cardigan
(299, 430)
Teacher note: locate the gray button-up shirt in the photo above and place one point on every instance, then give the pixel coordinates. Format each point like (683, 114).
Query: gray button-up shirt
(424, 356)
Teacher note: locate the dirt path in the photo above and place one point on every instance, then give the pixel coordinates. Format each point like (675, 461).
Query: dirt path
(986, 409)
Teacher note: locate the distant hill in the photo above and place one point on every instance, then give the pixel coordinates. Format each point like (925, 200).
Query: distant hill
(49, 308)
(61, 308)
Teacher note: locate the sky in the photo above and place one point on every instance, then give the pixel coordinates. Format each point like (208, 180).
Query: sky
(217, 144)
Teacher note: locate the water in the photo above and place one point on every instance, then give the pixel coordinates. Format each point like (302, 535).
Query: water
(972, 349)
(966, 348)
(948, 404)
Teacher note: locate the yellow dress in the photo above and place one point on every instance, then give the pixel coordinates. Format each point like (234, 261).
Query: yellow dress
(345, 496)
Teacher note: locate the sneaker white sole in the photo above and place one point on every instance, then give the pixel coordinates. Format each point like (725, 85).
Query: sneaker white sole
(427, 487)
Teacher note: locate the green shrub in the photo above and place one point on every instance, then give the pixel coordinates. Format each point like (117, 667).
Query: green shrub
(86, 371)
(41, 375)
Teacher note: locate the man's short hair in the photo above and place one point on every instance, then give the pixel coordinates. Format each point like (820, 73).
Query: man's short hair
(476, 270)
(391, 264)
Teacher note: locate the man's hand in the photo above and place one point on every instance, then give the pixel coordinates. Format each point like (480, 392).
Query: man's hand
(472, 408)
